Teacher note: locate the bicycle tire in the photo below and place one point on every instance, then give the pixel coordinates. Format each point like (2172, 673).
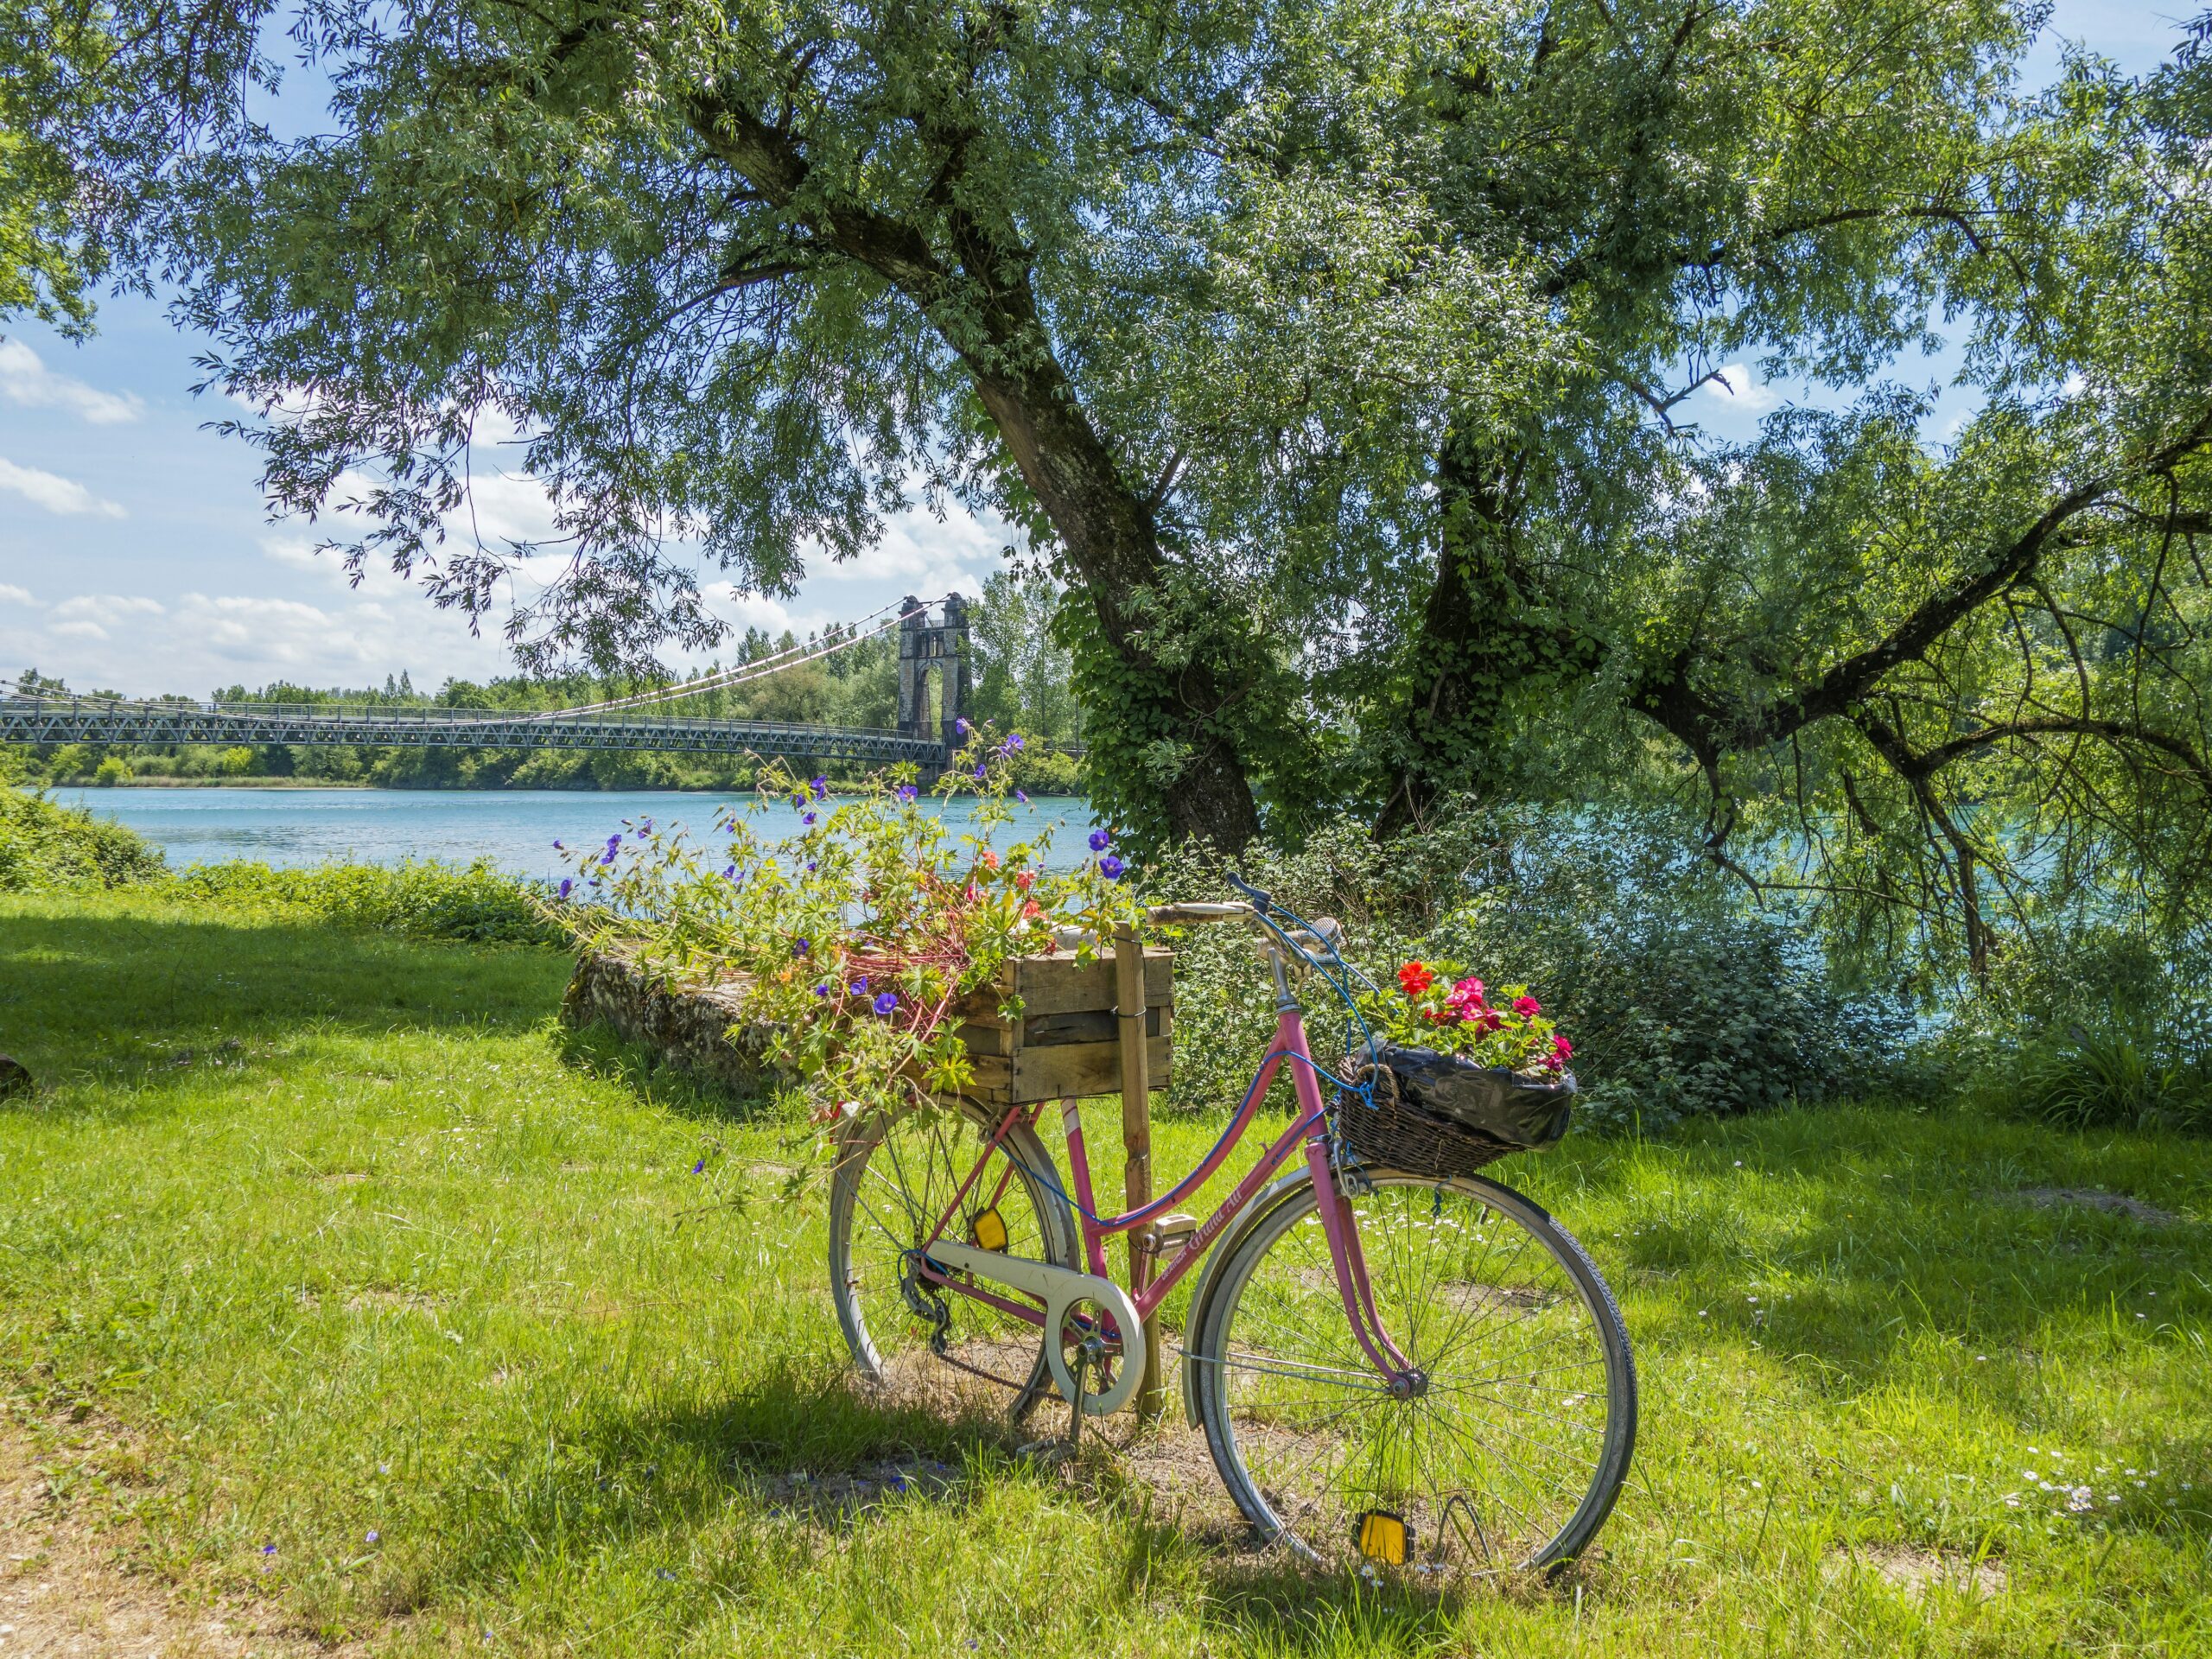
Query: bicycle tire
(879, 1205)
(1255, 1426)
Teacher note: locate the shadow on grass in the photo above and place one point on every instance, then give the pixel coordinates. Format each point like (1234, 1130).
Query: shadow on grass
(598, 1051)
(141, 999)
(805, 1445)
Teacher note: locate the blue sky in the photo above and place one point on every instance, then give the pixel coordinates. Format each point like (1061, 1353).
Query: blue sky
(135, 554)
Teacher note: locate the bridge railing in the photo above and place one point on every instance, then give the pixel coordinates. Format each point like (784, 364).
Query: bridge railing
(409, 714)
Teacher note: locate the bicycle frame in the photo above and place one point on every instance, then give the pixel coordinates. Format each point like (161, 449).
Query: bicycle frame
(1310, 1126)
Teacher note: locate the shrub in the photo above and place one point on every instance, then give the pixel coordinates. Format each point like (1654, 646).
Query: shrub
(45, 848)
(1684, 999)
(424, 899)
(2093, 1026)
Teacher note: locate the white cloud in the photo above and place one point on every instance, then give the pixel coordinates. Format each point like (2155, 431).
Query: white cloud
(89, 616)
(26, 380)
(11, 594)
(54, 493)
(1736, 386)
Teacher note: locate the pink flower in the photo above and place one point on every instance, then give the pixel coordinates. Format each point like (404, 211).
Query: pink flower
(1560, 1047)
(1466, 999)
(1026, 881)
(1527, 1006)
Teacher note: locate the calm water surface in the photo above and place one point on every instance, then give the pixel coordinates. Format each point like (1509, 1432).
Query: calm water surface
(514, 829)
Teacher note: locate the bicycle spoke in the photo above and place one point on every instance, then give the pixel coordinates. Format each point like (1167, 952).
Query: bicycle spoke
(1490, 1466)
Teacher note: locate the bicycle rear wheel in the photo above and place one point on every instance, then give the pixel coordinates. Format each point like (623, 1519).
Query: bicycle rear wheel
(1515, 1444)
(896, 1177)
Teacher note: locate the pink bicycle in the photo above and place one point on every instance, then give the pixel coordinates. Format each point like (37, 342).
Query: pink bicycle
(1412, 1369)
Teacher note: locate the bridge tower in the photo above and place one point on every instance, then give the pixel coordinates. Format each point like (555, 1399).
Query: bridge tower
(939, 649)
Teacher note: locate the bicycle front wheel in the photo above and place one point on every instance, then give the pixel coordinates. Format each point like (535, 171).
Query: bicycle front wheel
(1517, 1435)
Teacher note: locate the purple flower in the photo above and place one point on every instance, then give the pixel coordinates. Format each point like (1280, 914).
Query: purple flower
(615, 841)
(798, 947)
(822, 990)
(1011, 744)
(729, 872)
(1110, 868)
(961, 727)
(979, 770)
(909, 794)
(699, 1168)
(372, 1537)
(565, 885)
(860, 985)
(558, 848)
(1101, 839)
(808, 818)
(607, 857)
(1022, 795)
(810, 867)
(644, 828)
(821, 788)
(268, 1549)
(886, 1002)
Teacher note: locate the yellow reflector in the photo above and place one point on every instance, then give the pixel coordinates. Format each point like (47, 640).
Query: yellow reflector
(987, 1230)
(1383, 1537)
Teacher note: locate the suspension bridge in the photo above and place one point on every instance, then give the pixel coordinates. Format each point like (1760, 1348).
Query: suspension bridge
(927, 733)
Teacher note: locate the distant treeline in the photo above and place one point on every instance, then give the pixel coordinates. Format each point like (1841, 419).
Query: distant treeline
(1021, 685)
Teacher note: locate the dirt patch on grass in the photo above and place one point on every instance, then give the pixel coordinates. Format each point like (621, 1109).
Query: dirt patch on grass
(67, 1589)
(2087, 1198)
(1917, 1572)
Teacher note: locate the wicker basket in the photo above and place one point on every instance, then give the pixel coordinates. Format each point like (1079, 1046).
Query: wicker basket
(1397, 1132)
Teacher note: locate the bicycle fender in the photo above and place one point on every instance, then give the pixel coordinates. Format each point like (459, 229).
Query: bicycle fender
(1202, 1291)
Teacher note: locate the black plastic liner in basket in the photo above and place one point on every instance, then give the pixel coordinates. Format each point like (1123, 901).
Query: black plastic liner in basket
(1437, 1113)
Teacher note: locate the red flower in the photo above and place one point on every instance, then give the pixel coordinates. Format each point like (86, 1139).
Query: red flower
(1527, 1006)
(1414, 978)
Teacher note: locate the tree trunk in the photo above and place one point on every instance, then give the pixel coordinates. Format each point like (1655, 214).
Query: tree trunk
(975, 291)
(1478, 640)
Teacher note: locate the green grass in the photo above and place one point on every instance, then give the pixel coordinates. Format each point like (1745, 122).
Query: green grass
(330, 1223)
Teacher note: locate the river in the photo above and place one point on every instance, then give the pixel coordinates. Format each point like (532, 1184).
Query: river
(515, 828)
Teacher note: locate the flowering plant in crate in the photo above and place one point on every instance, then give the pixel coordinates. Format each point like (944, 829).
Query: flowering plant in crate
(858, 936)
(1439, 1006)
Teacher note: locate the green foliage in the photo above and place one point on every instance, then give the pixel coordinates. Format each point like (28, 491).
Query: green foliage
(420, 898)
(45, 848)
(1683, 1000)
(2101, 1024)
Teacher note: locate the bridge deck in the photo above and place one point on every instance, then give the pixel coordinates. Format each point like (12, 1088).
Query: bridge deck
(77, 720)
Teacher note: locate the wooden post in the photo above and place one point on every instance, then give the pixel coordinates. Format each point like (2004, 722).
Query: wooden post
(1136, 1142)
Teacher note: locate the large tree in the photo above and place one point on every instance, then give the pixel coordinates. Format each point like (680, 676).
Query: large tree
(738, 280)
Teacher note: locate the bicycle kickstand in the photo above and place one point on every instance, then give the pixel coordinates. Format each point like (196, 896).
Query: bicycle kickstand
(1075, 1422)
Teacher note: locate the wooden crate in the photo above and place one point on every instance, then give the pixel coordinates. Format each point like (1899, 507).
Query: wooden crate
(1064, 1043)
